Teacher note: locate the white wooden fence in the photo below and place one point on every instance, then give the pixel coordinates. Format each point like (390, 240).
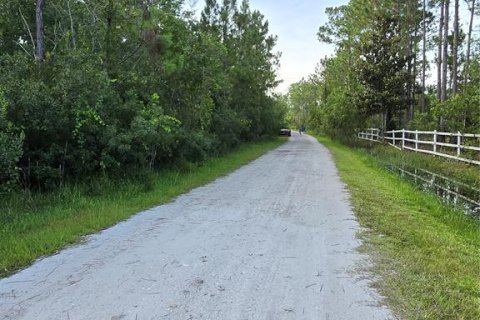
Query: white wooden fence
(372, 134)
(459, 146)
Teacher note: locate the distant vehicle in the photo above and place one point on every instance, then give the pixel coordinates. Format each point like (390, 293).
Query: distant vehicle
(286, 132)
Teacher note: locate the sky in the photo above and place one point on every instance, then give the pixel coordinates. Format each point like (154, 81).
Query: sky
(296, 24)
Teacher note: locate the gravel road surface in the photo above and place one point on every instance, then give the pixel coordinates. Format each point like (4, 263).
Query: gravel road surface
(273, 240)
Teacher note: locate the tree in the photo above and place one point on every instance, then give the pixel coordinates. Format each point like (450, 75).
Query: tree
(381, 71)
(371, 79)
(303, 99)
(424, 56)
(469, 42)
(40, 47)
(443, 95)
(440, 57)
(130, 85)
(456, 34)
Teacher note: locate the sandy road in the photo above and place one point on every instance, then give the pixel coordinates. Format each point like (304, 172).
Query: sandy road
(273, 240)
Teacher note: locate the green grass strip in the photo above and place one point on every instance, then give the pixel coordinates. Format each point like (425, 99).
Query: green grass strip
(460, 171)
(427, 255)
(43, 224)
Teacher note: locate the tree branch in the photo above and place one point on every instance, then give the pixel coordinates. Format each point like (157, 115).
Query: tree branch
(29, 32)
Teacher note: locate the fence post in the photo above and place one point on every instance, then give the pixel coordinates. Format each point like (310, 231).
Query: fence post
(403, 138)
(416, 140)
(459, 143)
(434, 140)
(393, 137)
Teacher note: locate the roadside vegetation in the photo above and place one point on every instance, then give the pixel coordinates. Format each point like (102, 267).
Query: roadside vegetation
(379, 74)
(109, 107)
(385, 154)
(36, 224)
(97, 87)
(425, 254)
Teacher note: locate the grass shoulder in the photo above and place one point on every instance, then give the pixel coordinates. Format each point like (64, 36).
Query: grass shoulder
(427, 255)
(457, 170)
(41, 224)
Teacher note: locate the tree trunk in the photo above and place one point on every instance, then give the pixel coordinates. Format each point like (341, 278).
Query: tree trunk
(443, 97)
(40, 52)
(407, 27)
(389, 122)
(455, 49)
(414, 74)
(414, 85)
(469, 42)
(110, 14)
(424, 58)
(439, 53)
(150, 34)
(408, 54)
(72, 28)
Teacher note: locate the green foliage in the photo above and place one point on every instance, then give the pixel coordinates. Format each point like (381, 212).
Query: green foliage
(129, 86)
(423, 121)
(11, 149)
(456, 110)
(381, 71)
(303, 98)
(338, 119)
(328, 100)
(371, 79)
(462, 111)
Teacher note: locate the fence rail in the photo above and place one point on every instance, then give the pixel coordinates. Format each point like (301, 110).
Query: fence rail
(372, 134)
(452, 145)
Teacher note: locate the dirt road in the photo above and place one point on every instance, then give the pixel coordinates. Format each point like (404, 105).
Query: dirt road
(274, 240)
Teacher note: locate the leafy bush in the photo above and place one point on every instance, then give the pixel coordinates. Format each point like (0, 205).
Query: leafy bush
(138, 87)
(11, 150)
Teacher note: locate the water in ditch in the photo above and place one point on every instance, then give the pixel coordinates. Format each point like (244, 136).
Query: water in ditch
(450, 191)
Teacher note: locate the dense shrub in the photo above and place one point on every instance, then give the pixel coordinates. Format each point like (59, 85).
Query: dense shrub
(126, 87)
(11, 150)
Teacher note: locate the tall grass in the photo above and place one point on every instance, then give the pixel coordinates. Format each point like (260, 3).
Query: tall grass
(467, 173)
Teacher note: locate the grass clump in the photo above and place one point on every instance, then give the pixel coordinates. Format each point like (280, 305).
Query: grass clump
(426, 254)
(33, 225)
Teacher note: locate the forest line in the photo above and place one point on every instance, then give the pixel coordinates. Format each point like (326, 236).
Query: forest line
(111, 87)
(378, 75)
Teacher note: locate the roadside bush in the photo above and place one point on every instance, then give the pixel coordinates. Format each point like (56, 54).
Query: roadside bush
(423, 121)
(226, 128)
(339, 119)
(193, 146)
(10, 150)
(139, 87)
